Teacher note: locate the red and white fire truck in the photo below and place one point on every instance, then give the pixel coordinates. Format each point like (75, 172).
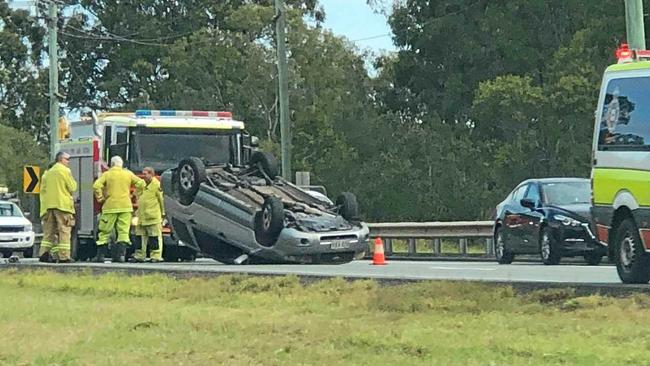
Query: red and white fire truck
(154, 138)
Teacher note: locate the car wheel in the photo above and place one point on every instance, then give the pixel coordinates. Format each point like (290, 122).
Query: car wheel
(28, 253)
(269, 221)
(170, 253)
(348, 206)
(549, 248)
(593, 258)
(266, 162)
(187, 254)
(503, 255)
(191, 173)
(86, 250)
(632, 262)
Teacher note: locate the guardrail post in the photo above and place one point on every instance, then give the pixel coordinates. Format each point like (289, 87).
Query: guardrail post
(463, 247)
(388, 246)
(412, 248)
(436, 247)
(489, 247)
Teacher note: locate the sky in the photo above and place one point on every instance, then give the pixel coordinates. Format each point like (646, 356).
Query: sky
(357, 21)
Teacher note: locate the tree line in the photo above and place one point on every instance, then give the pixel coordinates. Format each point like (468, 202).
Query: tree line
(479, 96)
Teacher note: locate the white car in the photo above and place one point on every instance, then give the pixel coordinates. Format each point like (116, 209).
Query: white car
(16, 232)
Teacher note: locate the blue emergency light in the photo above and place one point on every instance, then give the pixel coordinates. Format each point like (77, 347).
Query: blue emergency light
(174, 113)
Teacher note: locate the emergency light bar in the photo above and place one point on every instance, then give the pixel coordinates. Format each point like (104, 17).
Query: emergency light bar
(174, 113)
(624, 54)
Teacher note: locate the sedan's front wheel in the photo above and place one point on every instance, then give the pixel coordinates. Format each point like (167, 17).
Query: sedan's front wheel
(504, 256)
(549, 248)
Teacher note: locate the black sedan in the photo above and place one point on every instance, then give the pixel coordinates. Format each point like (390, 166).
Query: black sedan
(550, 217)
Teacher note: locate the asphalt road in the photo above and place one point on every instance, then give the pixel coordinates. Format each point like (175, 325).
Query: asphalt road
(395, 270)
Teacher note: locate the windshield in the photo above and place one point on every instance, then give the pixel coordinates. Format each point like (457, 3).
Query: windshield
(566, 193)
(162, 150)
(9, 210)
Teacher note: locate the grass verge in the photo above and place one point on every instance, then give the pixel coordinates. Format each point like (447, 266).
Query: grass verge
(81, 319)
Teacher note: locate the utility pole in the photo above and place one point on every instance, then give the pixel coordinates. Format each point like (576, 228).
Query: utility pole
(54, 77)
(283, 89)
(634, 24)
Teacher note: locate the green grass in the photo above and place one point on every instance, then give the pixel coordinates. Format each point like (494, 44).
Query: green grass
(50, 318)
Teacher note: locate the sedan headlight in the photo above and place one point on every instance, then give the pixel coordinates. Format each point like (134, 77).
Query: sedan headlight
(567, 221)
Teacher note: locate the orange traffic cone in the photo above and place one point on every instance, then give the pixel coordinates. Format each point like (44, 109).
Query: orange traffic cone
(378, 258)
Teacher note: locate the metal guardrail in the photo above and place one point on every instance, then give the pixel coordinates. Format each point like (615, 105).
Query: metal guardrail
(436, 239)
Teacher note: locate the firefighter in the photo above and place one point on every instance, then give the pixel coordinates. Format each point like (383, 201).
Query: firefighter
(46, 246)
(113, 191)
(150, 215)
(58, 204)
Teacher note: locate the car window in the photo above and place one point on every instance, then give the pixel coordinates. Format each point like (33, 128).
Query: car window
(567, 193)
(9, 210)
(519, 194)
(533, 193)
(624, 122)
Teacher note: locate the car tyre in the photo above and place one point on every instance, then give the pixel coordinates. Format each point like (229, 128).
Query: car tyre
(266, 162)
(593, 258)
(549, 247)
(632, 262)
(348, 206)
(269, 222)
(503, 255)
(191, 173)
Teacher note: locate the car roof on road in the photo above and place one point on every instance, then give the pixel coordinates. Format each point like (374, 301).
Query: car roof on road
(555, 180)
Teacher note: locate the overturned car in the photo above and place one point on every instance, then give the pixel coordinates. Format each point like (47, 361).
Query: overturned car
(247, 214)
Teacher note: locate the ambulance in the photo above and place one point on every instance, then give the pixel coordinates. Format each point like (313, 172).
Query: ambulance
(145, 138)
(621, 164)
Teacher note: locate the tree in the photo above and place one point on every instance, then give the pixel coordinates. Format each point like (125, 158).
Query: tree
(22, 76)
(17, 149)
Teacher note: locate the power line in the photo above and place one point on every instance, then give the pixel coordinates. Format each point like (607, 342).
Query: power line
(96, 37)
(124, 38)
(372, 37)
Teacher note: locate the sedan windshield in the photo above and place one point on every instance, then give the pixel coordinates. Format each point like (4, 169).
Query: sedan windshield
(566, 193)
(9, 210)
(163, 150)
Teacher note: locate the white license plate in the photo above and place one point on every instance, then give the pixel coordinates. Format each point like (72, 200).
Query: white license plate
(340, 244)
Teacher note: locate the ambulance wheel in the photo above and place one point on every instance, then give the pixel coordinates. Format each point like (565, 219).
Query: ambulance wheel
(266, 162)
(191, 173)
(269, 222)
(632, 262)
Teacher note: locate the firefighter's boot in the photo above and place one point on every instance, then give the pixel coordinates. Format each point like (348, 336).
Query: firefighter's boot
(119, 253)
(101, 253)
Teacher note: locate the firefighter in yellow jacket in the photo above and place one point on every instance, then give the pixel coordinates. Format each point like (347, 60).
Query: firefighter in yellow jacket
(46, 246)
(151, 211)
(113, 191)
(58, 204)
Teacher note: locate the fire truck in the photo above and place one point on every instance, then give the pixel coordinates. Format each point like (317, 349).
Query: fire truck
(145, 138)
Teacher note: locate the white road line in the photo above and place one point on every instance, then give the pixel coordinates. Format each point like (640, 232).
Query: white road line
(465, 268)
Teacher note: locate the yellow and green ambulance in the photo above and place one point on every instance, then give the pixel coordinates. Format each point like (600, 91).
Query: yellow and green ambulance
(621, 164)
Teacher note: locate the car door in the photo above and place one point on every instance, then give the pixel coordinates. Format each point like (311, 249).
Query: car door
(532, 219)
(512, 220)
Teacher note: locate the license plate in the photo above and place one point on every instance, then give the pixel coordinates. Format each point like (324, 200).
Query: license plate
(340, 244)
